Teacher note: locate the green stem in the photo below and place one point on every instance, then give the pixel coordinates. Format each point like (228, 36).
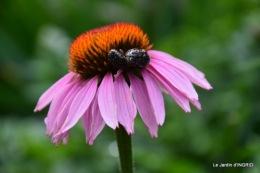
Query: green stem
(125, 150)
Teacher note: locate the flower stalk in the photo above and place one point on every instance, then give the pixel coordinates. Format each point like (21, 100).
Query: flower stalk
(124, 145)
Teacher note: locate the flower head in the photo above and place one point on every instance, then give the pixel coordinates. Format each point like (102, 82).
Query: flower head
(113, 73)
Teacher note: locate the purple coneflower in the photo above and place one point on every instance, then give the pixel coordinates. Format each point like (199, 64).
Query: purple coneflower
(113, 73)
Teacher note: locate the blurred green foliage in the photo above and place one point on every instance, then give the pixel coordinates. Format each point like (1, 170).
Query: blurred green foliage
(221, 38)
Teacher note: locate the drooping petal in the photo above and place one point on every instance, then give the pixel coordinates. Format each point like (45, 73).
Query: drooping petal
(175, 78)
(56, 106)
(143, 104)
(97, 123)
(65, 139)
(63, 112)
(196, 103)
(156, 97)
(177, 63)
(46, 120)
(80, 103)
(180, 99)
(106, 101)
(58, 138)
(191, 72)
(48, 95)
(93, 122)
(126, 109)
(87, 120)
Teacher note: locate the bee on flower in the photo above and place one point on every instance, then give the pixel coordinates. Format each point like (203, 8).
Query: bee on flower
(113, 73)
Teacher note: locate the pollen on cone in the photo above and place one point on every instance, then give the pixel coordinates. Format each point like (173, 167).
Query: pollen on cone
(88, 52)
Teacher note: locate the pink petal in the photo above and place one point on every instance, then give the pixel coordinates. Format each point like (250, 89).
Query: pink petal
(106, 101)
(62, 114)
(93, 122)
(143, 104)
(196, 103)
(65, 139)
(126, 109)
(87, 120)
(58, 138)
(48, 95)
(46, 121)
(156, 97)
(81, 103)
(55, 107)
(175, 78)
(180, 99)
(191, 72)
(177, 63)
(97, 123)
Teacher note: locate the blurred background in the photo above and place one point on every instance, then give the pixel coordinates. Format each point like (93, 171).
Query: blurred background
(220, 38)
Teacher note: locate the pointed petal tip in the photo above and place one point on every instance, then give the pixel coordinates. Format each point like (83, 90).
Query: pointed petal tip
(47, 134)
(113, 126)
(196, 103)
(65, 143)
(187, 111)
(129, 131)
(160, 124)
(90, 142)
(207, 86)
(117, 125)
(37, 108)
(154, 136)
(199, 109)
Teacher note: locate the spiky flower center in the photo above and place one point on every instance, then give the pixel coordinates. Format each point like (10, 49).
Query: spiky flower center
(89, 52)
